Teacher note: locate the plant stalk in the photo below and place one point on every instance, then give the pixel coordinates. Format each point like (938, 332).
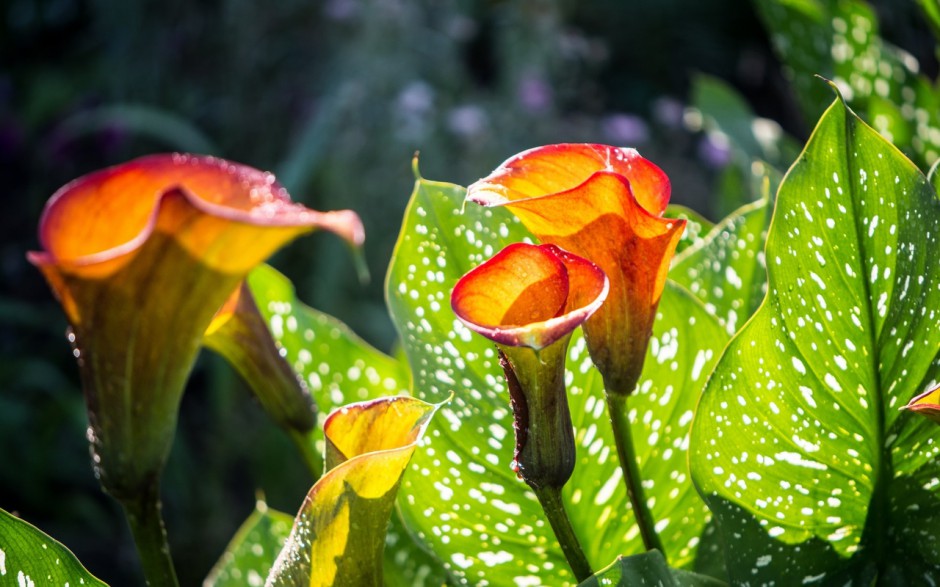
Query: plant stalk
(617, 406)
(146, 522)
(550, 498)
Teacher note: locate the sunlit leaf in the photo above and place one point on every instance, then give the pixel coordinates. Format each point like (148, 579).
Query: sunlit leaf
(248, 557)
(30, 557)
(696, 225)
(839, 39)
(798, 445)
(466, 466)
(726, 268)
(338, 536)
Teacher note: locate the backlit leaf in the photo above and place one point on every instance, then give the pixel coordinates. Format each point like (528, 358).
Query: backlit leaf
(726, 268)
(30, 557)
(798, 445)
(338, 536)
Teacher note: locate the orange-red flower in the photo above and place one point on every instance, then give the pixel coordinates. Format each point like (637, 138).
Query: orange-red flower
(927, 404)
(528, 299)
(529, 295)
(141, 256)
(605, 204)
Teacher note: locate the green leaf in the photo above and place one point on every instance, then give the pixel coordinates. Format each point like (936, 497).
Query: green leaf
(248, 557)
(466, 467)
(696, 225)
(724, 110)
(30, 557)
(839, 40)
(339, 534)
(798, 444)
(726, 269)
(649, 568)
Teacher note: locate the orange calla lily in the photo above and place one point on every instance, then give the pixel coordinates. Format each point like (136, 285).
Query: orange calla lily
(926, 404)
(605, 204)
(141, 256)
(528, 299)
(529, 295)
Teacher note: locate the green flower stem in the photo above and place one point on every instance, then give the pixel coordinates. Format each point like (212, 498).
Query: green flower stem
(550, 498)
(617, 406)
(146, 522)
(307, 447)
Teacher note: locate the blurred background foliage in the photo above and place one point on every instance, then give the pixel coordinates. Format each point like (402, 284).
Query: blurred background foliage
(334, 96)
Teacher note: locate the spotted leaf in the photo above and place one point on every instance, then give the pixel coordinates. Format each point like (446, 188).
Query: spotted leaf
(839, 39)
(466, 466)
(30, 557)
(726, 268)
(799, 445)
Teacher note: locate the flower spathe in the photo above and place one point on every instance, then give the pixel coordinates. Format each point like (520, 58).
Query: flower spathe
(605, 204)
(528, 295)
(528, 299)
(141, 256)
(926, 404)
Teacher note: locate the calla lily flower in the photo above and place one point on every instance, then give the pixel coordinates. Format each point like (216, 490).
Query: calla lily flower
(141, 256)
(605, 204)
(926, 404)
(528, 299)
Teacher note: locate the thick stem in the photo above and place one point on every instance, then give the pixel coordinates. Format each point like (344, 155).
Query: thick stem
(306, 446)
(617, 406)
(146, 522)
(550, 498)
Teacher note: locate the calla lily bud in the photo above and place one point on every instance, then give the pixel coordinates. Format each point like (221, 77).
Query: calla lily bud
(926, 404)
(605, 204)
(141, 257)
(240, 334)
(528, 299)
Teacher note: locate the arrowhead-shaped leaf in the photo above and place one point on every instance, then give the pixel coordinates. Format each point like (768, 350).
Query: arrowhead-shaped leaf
(798, 445)
(466, 467)
(30, 557)
(338, 536)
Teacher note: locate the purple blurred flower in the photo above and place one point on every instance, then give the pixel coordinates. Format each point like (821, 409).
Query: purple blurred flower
(341, 10)
(625, 129)
(668, 112)
(467, 121)
(417, 98)
(534, 93)
(715, 150)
